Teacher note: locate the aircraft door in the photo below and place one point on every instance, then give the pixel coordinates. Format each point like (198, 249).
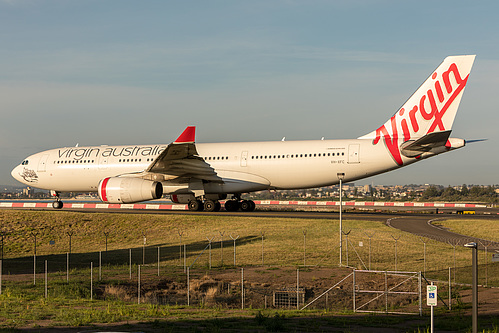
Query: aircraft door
(244, 158)
(42, 165)
(353, 153)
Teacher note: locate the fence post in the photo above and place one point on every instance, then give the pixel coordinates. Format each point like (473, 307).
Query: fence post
(67, 267)
(1, 264)
(34, 258)
(263, 234)
(242, 288)
(144, 248)
(298, 289)
(396, 241)
(369, 236)
(130, 262)
(188, 288)
(100, 265)
(346, 235)
(138, 286)
(180, 234)
(386, 291)
(222, 247)
(450, 292)
(158, 260)
(304, 247)
(420, 284)
(46, 278)
(353, 278)
(70, 233)
(106, 234)
(234, 239)
(424, 254)
(91, 281)
(454, 256)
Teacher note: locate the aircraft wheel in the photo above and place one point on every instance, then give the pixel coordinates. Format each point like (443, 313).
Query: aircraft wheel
(194, 205)
(252, 205)
(209, 206)
(57, 204)
(246, 205)
(218, 206)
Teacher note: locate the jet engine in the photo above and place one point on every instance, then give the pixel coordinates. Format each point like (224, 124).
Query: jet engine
(129, 190)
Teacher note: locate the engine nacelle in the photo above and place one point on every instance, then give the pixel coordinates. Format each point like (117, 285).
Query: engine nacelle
(129, 190)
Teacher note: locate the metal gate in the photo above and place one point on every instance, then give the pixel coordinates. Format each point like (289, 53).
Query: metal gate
(383, 289)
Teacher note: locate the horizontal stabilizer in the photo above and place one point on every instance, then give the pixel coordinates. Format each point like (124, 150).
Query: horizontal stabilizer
(413, 148)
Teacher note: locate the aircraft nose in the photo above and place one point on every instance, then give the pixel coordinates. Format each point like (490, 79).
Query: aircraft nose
(16, 173)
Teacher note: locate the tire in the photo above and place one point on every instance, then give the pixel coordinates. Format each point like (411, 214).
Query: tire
(209, 206)
(218, 206)
(57, 204)
(246, 206)
(253, 205)
(194, 205)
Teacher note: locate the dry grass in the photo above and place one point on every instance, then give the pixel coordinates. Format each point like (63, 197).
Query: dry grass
(485, 229)
(283, 242)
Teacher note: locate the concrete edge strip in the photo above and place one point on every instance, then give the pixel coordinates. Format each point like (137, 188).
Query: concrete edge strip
(258, 202)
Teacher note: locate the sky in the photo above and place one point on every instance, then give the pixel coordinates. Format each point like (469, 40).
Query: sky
(138, 72)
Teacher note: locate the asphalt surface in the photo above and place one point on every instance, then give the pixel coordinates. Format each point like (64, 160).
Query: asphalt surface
(422, 226)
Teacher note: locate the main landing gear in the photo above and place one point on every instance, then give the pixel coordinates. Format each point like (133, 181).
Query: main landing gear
(57, 204)
(214, 206)
(244, 205)
(207, 205)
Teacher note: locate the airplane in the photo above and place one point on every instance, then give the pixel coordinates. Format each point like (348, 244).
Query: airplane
(202, 174)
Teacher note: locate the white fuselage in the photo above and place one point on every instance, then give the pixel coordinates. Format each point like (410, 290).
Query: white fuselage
(243, 167)
(419, 129)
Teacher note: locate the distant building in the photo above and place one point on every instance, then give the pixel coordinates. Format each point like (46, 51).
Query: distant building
(28, 192)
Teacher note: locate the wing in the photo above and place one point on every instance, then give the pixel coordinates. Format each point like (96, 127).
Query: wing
(180, 160)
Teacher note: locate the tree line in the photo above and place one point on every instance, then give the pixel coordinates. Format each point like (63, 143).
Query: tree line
(473, 193)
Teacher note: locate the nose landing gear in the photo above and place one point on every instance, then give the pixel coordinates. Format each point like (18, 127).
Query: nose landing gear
(57, 204)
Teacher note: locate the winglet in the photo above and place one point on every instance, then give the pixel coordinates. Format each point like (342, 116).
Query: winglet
(188, 135)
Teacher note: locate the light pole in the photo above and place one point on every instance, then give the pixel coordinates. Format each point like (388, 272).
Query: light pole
(474, 316)
(341, 176)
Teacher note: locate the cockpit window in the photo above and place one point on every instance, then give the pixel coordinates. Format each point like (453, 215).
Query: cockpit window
(25, 162)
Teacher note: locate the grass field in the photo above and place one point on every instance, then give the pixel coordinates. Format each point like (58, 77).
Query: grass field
(484, 229)
(287, 243)
(284, 242)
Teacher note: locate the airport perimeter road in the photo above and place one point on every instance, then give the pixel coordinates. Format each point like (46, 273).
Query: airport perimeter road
(422, 226)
